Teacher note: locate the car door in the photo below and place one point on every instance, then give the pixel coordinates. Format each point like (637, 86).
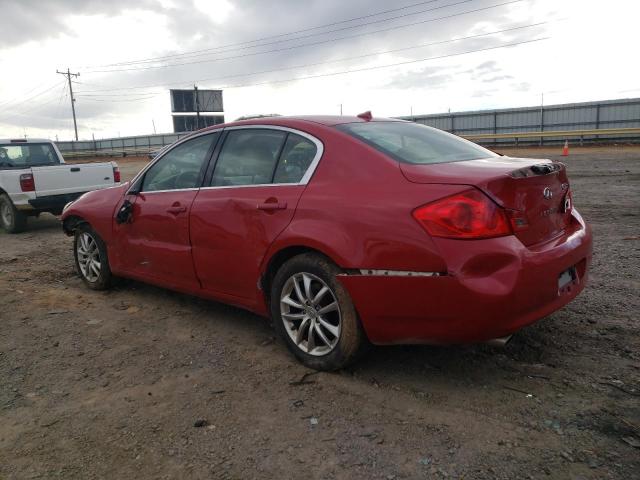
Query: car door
(250, 198)
(154, 243)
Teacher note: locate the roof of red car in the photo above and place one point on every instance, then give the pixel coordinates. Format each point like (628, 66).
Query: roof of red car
(327, 120)
(332, 120)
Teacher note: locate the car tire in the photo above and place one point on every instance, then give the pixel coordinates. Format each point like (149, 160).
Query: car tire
(12, 219)
(316, 319)
(90, 253)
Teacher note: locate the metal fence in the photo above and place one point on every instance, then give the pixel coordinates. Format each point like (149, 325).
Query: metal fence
(611, 114)
(140, 145)
(489, 127)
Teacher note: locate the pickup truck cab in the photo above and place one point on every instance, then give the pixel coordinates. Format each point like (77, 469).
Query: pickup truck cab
(34, 178)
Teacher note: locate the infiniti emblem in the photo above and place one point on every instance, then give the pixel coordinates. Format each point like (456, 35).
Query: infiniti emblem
(547, 193)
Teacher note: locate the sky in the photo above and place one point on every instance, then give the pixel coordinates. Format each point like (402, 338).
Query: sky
(294, 57)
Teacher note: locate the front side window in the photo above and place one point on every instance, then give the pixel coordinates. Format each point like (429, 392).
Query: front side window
(416, 144)
(181, 167)
(248, 157)
(27, 155)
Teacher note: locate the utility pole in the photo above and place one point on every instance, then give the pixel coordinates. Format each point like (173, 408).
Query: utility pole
(68, 74)
(195, 94)
(541, 116)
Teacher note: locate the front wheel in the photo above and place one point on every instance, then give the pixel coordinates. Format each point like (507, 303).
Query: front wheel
(13, 220)
(90, 254)
(314, 314)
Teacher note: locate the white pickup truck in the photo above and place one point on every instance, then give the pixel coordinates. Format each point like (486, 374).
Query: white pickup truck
(34, 178)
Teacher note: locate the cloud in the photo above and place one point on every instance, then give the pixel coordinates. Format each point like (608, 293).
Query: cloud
(484, 93)
(39, 37)
(35, 20)
(521, 87)
(496, 78)
(425, 78)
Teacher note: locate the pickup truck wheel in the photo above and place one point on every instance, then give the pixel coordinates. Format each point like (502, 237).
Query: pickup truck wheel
(90, 254)
(314, 315)
(13, 220)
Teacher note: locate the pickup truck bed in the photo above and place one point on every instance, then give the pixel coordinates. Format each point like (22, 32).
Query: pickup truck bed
(34, 179)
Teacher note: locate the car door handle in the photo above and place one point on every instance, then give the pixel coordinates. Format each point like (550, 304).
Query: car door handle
(176, 209)
(75, 169)
(272, 206)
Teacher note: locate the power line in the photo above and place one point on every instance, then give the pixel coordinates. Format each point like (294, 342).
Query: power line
(32, 108)
(363, 69)
(378, 67)
(312, 43)
(63, 95)
(47, 102)
(121, 100)
(59, 121)
(320, 33)
(150, 67)
(48, 89)
(146, 95)
(383, 52)
(86, 94)
(220, 47)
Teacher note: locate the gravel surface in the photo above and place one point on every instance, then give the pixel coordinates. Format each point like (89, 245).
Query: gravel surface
(143, 383)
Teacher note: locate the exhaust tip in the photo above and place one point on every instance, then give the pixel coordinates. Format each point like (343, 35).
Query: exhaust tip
(499, 342)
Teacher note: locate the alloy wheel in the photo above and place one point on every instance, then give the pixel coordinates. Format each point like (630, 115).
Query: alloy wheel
(88, 257)
(310, 313)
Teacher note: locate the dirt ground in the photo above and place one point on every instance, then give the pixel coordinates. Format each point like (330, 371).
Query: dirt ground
(139, 382)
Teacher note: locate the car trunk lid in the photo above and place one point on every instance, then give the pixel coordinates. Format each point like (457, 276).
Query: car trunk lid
(535, 193)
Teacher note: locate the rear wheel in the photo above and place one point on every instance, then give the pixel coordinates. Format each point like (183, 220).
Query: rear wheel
(90, 254)
(314, 315)
(13, 220)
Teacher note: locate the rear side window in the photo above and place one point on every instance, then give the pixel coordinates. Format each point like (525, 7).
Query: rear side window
(416, 144)
(248, 157)
(296, 158)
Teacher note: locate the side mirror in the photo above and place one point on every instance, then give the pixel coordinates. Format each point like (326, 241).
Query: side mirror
(124, 213)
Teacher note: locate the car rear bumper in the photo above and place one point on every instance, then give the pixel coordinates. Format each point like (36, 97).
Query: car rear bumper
(492, 289)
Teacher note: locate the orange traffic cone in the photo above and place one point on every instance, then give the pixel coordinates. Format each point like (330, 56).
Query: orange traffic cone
(565, 150)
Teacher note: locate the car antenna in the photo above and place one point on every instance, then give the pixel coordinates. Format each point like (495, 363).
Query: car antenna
(366, 116)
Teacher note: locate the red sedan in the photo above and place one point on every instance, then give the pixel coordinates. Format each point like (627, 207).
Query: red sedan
(345, 231)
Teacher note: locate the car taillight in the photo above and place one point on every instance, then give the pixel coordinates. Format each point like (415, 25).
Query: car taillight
(27, 183)
(116, 174)
(466, 215)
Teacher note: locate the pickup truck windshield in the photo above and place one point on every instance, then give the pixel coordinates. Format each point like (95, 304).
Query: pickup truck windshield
(25, 155)
(416, 144)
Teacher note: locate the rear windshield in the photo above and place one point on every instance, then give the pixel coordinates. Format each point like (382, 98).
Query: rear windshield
(25, 155)
(413, 143)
